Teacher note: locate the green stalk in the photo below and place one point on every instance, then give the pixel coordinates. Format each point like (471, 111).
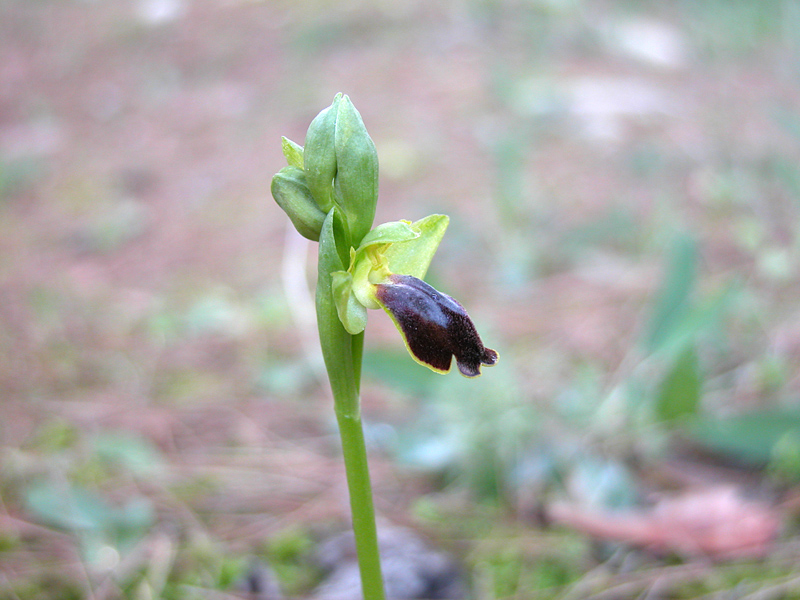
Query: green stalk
(361, 507)
(358, 353)
(342, 353)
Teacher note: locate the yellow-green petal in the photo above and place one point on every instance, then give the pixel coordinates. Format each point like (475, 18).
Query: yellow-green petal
(413, 257)
(293, 152)
(352, 313)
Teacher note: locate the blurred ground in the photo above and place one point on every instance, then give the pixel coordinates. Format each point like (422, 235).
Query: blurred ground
(623, 183)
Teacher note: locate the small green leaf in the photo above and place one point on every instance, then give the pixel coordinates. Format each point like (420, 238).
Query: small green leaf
(752, 437)
(136, 454)
(700, 317)
(69, 507)
(293, 152)
(680, 391)
(393, 368)
(673, 300)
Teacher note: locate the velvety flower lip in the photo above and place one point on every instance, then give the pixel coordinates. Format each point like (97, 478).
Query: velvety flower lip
(435, 326)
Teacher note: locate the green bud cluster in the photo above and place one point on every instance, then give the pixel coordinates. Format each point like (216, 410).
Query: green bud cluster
(336, 169)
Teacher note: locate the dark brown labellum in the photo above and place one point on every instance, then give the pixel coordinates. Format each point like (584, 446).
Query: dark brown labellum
(435, 326)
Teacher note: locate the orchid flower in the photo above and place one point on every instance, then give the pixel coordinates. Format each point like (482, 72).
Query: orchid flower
(386, 271)
(329, 190)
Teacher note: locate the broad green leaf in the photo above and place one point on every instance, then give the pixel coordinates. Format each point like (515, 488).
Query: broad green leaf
(136, 454)
(69, 507)
(700, 318)
(673, 299)
(752, 437)
(679, 392)
(397, 372)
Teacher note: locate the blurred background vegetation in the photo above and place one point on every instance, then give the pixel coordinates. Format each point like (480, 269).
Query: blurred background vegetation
(623, 180)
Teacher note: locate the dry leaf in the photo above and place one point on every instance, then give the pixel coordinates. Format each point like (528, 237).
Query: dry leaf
(714, 522)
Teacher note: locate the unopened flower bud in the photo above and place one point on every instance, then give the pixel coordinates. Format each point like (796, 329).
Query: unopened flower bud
(319, 155)
(341, 166)
(356, 182)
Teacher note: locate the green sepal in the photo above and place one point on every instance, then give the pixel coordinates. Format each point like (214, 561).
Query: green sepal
(319, 155)
(352, 313)
(414, 257)
(356, 180)
(398, 247)
(292, 194)
(389, 233)
(293, 152)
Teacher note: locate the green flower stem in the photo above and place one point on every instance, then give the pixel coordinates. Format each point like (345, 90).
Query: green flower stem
(358, 353)
(344, 385)
(361, 507)
(342, 353)
(329, 190)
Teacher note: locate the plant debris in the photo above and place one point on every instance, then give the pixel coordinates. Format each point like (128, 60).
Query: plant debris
(717, 522)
